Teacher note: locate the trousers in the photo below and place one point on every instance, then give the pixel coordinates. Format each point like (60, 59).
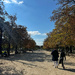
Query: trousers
(56, 63)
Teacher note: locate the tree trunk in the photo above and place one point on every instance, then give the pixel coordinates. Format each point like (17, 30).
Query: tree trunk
(70, 49)
(67, 50)
(1, 41)
(16, 52)
(8, 49)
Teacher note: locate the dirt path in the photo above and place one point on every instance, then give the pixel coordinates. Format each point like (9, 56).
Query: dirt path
(36, 63)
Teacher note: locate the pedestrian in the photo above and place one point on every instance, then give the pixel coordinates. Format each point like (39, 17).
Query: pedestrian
(62, 56)
(55, 56)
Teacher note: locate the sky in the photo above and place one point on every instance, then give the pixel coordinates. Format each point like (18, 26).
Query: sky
(33, 14)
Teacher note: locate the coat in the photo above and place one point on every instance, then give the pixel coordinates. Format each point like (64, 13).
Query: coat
(55, 55)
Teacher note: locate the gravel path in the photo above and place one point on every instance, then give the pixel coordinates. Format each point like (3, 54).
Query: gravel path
(36, 63)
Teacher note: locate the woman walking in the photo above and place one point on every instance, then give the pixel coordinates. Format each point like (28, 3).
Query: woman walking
(62, 56)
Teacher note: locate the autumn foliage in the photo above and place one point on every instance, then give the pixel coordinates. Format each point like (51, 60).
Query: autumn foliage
(64, 32)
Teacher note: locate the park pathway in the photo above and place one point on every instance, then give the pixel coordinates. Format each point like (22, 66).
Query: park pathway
(37, 63)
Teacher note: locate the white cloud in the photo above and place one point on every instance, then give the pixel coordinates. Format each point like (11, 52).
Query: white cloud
(13, 1)
(21, 2)
(7, 1)
(39, 41)
(35, 33)
(16, 2)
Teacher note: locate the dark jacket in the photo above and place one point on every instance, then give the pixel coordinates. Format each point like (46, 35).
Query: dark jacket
(62, 55)
(55, 55)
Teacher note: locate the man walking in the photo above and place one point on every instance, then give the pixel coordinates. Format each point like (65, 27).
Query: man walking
(55, 56)
(62, 56)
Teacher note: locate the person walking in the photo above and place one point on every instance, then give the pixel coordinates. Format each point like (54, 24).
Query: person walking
(62, 56)
(55, 56)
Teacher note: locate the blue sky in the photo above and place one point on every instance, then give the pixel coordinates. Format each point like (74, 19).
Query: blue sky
(34, 14)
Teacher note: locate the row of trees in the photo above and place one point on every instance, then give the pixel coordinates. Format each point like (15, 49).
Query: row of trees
(64, 33)
(13, 36)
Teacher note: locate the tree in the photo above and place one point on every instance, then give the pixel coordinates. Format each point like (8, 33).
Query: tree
(2, 18)
(65, 14)
(64, 18)
(12, 33)
(30, 44)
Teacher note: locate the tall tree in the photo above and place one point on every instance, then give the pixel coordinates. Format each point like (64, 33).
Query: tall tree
(2, 13)
(65, 16)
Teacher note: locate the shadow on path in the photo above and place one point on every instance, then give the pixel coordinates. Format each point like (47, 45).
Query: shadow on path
(71, 70)
(70, 63)
(38, 56)
(6, 71)
(35, 56)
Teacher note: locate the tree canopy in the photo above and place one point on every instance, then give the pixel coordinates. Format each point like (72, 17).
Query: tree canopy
(13, 34)
(64, 32)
